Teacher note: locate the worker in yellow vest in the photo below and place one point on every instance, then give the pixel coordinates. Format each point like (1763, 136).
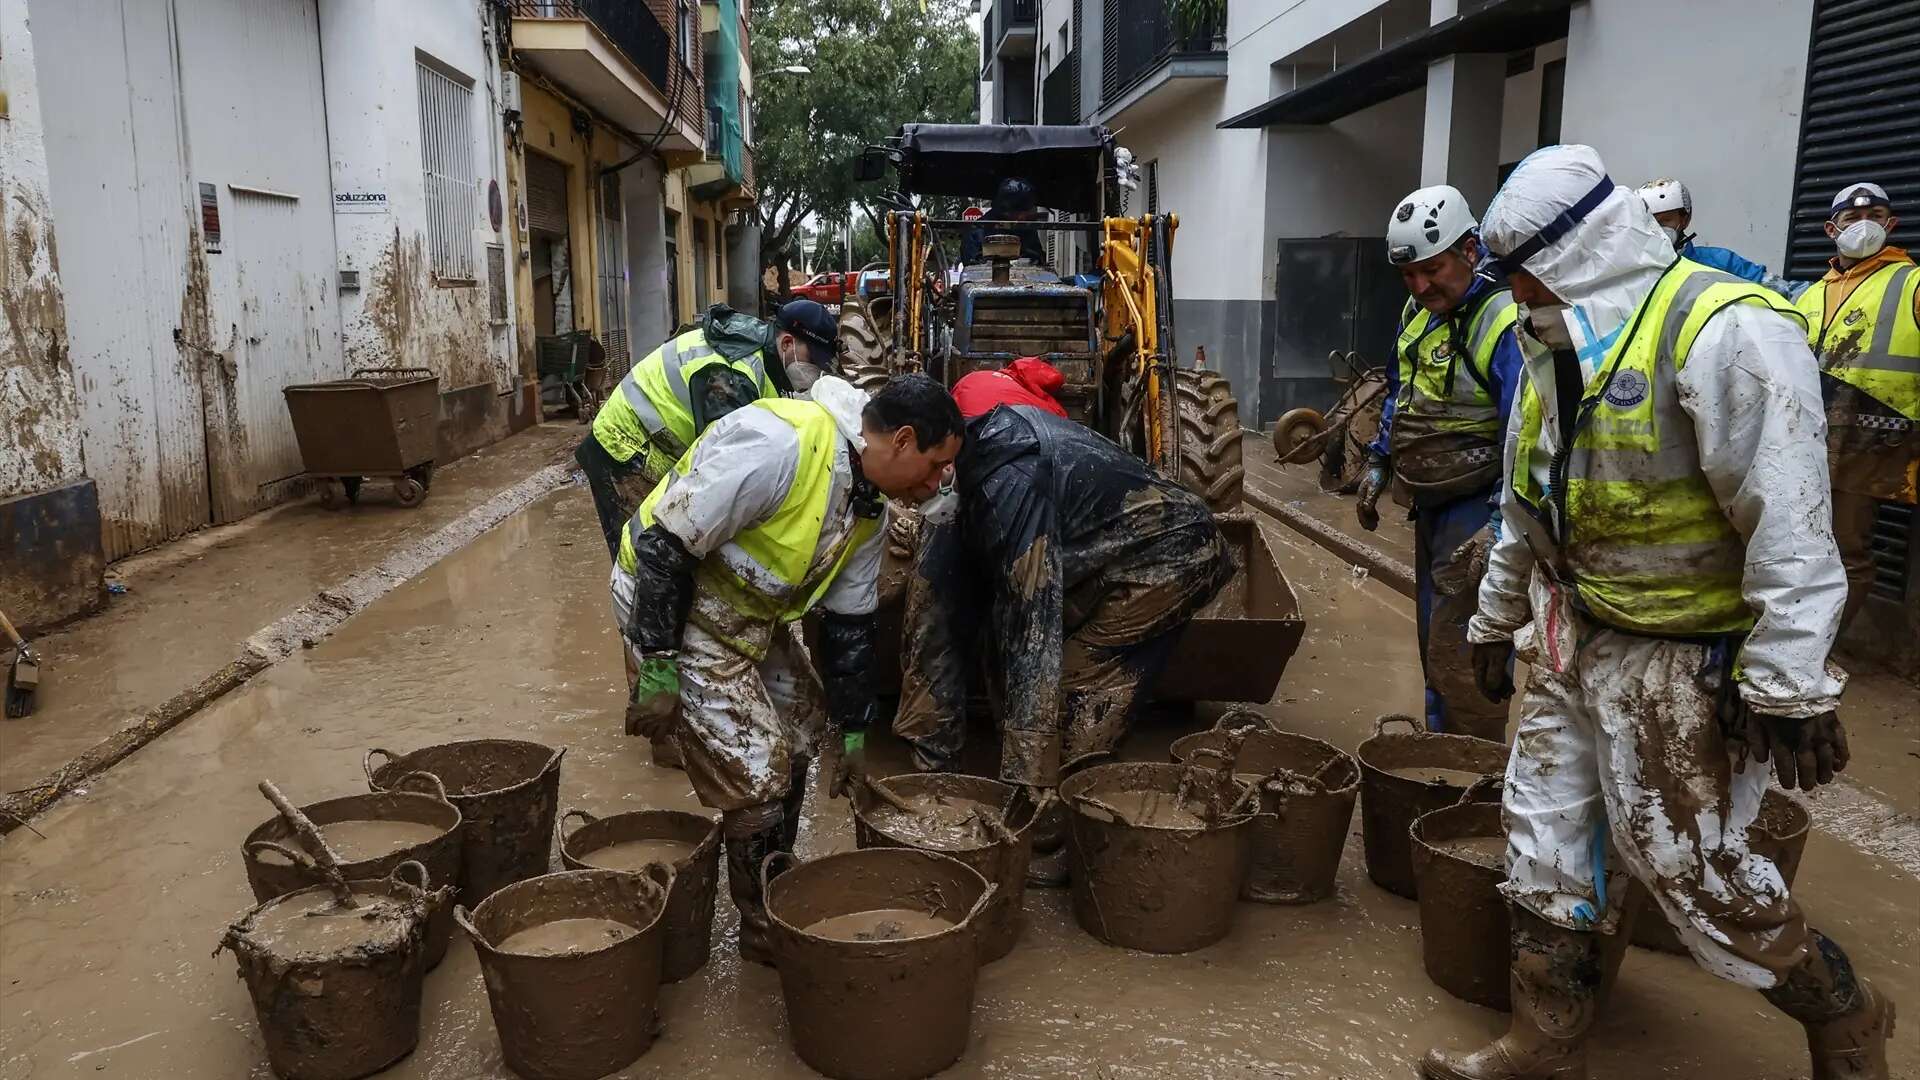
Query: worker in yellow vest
(1456, 367)
(1863, 320)
(675, 391)
(1665, 570)
(775, 510)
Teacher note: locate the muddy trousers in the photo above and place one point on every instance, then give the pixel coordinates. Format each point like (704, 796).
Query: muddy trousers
(1450, 545)
(1853, 519)
(618, 488)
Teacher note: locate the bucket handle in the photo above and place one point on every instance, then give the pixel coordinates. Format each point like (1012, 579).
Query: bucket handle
(294, 855)
(1480, 787)
(398, 876)
(586, 819)
(465, 918)
(1241, 719)
(768, 873)
(554, 761)
(439, 790)
(366, 763)
(1380, 725)
(658, 878)
(980, 905)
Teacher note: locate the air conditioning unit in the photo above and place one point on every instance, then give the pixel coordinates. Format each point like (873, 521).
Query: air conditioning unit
(510, 93)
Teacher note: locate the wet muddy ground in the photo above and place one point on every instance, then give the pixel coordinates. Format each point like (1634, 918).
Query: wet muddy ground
(107, 923)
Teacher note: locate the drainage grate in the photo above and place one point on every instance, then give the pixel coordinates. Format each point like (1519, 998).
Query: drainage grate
(1892, 551)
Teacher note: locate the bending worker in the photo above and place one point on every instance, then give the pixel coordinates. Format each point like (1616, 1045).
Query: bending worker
(1078, 566)
(676, 390)
(773, 511)
(1666, 570)
(1672, 207)
(1863, 320)
(1446, 408)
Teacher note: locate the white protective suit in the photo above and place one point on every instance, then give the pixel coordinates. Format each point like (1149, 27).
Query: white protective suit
(1618, 735)
(745, 725)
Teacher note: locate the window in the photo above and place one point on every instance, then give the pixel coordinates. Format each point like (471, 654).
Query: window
(689, 31)
(446, 159)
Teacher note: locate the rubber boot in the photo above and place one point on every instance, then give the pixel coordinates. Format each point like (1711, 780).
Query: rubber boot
(751, 835)
(1848, 1022)
(1555, 981)
(1047, 868)
(791, 805)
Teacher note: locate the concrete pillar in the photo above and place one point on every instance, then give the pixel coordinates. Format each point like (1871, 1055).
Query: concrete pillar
(1461, 141)
(647, 318)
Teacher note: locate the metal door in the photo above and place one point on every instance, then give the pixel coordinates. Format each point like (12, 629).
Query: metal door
(1330, 294)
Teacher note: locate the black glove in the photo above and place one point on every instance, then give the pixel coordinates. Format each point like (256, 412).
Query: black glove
(1367, 507)
(846, 663)
(1806, 752)
(1493, 669)
(662, 591)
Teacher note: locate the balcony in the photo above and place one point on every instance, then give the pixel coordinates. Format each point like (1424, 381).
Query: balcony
(1060, 91)
(615, 56)
(1144, 58)
(1007, 30)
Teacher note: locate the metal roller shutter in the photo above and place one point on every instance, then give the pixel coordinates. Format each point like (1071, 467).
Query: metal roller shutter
(546, 195)
(1861, 121)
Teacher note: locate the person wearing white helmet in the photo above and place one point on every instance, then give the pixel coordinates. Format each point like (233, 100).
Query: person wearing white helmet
(1672, 207)
(1666, 570)
(1863, 321)
(1449, 389)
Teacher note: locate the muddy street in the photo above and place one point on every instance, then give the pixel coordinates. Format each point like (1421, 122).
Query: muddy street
(107, 922)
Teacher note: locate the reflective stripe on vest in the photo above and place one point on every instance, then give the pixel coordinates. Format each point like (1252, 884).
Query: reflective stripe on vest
(775, 570)
(653, 405)
(1644, 540)
(1873, 339)
(1432, 386)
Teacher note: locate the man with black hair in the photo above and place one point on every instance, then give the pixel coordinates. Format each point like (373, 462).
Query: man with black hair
(776, 509)
(1075, 566)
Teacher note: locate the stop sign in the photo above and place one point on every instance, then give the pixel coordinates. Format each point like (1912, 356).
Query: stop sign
(972, 213)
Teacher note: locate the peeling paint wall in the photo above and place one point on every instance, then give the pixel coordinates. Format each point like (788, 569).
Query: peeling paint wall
(404, 314)
(39, 412)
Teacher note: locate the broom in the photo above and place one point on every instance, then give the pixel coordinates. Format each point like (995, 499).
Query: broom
(24, 678)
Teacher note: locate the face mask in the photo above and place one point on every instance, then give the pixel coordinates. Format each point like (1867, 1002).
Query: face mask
(1862, 239)
(944, 507)
(1547, 323)
(1673, 236)
(802, 375)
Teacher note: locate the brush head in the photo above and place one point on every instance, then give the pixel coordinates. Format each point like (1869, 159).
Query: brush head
(22, 681)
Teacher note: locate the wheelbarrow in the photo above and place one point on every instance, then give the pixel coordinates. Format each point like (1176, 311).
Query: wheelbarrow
(1338, 438)
(377, 422)
(575, 366)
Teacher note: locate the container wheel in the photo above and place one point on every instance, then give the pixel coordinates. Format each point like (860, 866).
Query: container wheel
(330, 494)
(350, 485)
(863, 355)
(408, 491)
(1209, 418)
(1294, 428)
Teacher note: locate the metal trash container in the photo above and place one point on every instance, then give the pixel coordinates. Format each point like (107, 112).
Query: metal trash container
(381, 422)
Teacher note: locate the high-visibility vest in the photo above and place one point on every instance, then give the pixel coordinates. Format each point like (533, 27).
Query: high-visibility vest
(1872, 342)
(1435, 386)
(769, 572)
(652, 402)
(1641, 535)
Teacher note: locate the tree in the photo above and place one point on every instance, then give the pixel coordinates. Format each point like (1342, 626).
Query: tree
(874, 65)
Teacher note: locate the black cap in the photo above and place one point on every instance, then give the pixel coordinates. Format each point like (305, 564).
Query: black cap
(812, 324)
(1014, 196)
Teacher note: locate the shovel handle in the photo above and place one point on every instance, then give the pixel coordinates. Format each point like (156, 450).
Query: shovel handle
(366, 763)
(886, 795)
(12, 634)
(1380, 725)
(309, 834)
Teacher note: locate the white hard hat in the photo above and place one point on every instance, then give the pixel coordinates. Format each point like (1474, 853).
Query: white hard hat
(1664, 195)
(1427, 223)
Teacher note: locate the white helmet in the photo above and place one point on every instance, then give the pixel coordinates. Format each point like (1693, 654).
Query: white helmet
(1664, 195)
(1427, 223)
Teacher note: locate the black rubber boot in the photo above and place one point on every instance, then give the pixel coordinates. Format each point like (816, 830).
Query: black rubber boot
(791, 806)
(751, 835)
(1555, 981)
(1848, 1022)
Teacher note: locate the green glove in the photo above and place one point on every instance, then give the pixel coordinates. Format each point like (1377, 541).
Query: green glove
(654, 706)
(851, 764)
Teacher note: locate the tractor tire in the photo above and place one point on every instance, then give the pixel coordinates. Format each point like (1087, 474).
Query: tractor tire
(1210, 434)
(863, 354)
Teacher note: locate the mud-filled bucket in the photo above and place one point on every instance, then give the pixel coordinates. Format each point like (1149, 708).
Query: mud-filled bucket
(370, 835)
(951, 816)
(878, 954)
(572, 964)
(1156, 853)
(508, 792)
(1779, 833)
(629, 842)
(1460, 862)
(337, 989)
(1406, 774)
(1306, 784)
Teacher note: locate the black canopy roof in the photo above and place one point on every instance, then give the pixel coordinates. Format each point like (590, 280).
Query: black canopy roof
(1066, 164)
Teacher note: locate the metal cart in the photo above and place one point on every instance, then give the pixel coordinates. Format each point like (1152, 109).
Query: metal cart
(378, 422)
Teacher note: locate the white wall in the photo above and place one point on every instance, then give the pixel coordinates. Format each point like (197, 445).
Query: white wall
(400, 316)
(1708, 92)
(39, 414)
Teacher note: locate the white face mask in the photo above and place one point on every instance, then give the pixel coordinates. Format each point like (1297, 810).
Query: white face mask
(1673, 236)
(1548, 322)
(802, 375)
(1861, 240)
(943, 508)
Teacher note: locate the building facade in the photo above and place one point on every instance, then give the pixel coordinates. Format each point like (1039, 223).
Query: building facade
(1285, 136)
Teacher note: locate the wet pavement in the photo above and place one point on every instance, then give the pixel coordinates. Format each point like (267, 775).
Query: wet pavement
(106, 923)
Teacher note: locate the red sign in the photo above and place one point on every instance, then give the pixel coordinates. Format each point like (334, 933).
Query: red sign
(972, 213)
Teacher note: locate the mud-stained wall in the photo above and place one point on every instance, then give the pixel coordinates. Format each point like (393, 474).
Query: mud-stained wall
(50, 555)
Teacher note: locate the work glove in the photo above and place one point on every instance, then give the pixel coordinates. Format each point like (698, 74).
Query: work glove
(849, 765)
(1806, 751)
(1366, 509)
(1493, 669)
(654, 706)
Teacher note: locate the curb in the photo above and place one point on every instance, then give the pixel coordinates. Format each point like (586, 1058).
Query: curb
(302, 628)
(1379, 565)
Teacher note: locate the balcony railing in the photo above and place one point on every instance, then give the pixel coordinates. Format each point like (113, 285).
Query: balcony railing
(1017, 13)
(1060, 92)
(629, 24)
(1138, 38)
